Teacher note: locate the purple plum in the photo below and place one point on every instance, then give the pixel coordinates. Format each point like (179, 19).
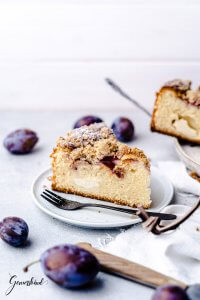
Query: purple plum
(20, 141)
(87, 120)
(14, 231)
(170, 292)
(123, 129)
(69, 266)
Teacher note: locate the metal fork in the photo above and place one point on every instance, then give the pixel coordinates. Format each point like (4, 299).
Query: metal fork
(66, 204)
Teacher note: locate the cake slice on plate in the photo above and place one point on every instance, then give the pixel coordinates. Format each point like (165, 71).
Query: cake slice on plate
(90, 162)
(177, 111)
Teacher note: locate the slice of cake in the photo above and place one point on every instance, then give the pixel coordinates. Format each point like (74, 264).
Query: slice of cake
(177, 111)
(90, 162)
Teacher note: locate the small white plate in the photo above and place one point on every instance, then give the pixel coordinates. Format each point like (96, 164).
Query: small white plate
(161, 195)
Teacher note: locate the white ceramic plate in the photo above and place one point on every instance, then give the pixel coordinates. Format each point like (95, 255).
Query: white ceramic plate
(161, 195)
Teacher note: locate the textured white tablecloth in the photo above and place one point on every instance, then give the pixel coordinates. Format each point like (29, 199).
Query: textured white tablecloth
(175, 253)
(17, 175)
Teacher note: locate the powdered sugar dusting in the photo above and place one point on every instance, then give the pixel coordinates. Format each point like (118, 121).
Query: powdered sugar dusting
(86, 135)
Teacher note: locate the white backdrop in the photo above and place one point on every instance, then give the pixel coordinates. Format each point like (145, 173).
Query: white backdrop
(56, 54)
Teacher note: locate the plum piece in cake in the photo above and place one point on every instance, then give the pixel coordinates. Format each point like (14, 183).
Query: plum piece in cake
(177, 111)
(90, 162)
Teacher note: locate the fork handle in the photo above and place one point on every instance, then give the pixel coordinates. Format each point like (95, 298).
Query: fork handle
(132, 211)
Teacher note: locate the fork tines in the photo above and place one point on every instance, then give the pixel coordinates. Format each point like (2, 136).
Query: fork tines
(54, 194)
(52, 198)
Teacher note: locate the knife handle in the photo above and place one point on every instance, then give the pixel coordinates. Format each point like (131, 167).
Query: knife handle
(124, 268)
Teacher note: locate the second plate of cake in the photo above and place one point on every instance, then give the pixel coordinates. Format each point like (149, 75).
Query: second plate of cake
(161, 195)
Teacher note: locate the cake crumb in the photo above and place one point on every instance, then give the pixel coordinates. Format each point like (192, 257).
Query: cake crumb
(194, 176)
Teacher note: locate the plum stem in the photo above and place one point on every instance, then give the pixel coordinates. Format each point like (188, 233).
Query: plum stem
(25, 269)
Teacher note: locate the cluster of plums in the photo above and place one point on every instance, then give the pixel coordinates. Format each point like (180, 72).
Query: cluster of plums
(22, 141)
(71, 266)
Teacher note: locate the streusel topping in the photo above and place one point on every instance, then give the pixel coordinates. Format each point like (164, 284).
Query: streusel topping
(183, 89)
(179, 85)
(95, 142)
(86, 135)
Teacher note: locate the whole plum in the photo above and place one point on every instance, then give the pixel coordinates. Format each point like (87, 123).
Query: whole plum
(69, 266)
(123, 129)
(14, 231)
(170, 292)
(20, 141)
(87, 120)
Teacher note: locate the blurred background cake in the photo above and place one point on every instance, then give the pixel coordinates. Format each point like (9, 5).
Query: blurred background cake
(177, 111)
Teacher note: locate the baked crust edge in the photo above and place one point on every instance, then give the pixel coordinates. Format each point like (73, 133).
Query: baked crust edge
(153, 126)
(93, 196)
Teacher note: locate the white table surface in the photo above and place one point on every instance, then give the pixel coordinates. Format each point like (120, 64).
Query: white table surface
(17, 175)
